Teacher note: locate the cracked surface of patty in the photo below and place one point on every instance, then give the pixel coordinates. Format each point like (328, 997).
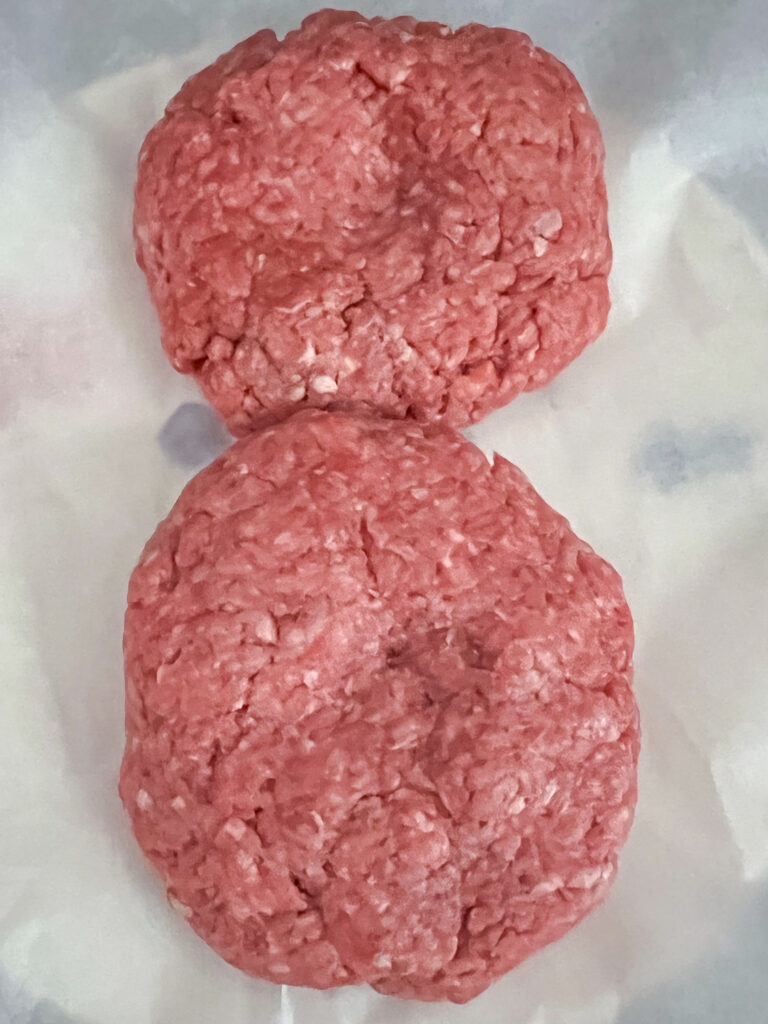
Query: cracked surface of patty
(375, 212)
(380, 725)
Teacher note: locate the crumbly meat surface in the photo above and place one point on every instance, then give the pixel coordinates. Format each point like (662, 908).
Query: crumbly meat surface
(375, 213)
(380, 725)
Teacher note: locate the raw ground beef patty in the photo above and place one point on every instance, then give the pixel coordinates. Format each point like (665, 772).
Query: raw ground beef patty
(375, 212)
(380, 725)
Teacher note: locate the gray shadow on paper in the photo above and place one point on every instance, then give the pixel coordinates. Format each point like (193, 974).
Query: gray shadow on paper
(193, 435)
(672, 457)
(728, 984)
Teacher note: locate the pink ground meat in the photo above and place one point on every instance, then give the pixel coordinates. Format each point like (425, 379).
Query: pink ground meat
(376, 213)
(380, 725)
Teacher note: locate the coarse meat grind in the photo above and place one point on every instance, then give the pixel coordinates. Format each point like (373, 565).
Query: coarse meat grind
(380, 724)
(375, 213)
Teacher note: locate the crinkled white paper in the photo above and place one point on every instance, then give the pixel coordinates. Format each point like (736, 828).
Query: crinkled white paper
(653, 443)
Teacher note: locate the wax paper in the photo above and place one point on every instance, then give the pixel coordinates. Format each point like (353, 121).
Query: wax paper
(653, 443)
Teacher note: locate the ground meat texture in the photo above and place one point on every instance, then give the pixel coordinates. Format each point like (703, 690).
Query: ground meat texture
(375, 212)
(380, 725)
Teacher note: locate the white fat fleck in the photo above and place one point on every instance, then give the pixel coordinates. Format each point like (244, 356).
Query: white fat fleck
(401, 76)
(310, 677)
(549, 792)
(143, 800)
(382, 960)
(517, 805)
(309, 354)
(179, 907)
(476, 129)
(587, 879)
(550, 884)
(295, 308)
(317, 820)
(403, 744)
(581, 107)
(528, 337)
(540, 246)
(419, 493)
(549, 223)
(324, 385)
(351, 364)
(294, 637)
(281, 969)
(235, 827)
(244, 860)
(266, 629)
(261, 259)
(178, 803)
(456, 537)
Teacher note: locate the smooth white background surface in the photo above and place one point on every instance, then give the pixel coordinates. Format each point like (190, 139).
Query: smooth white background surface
(654, 444)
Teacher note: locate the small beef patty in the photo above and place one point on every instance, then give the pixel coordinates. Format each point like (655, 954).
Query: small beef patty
(373, 212)
(380, 725)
